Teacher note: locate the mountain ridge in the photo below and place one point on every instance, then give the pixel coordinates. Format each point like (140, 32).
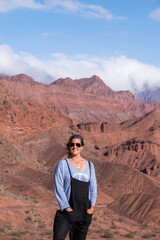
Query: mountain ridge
(74, 98)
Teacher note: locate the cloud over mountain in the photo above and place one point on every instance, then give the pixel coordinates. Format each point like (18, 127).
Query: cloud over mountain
(120, 73)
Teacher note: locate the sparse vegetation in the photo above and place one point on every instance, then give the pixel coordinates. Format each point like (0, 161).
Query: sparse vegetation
(49, 233)
(37, 215)
(129, 235)
(14, 238)
(15, 233)
(27, 211)
(149, 235)
(120, 219)
(28, 219)
(9, 227)
(2, 230)
(113, 227)
(42, 225)
(24, 232)
(89, 231)
(98, 230)
(108, 234)
(95, 218)
(145, 226)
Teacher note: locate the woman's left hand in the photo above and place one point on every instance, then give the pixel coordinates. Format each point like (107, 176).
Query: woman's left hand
(90, 210)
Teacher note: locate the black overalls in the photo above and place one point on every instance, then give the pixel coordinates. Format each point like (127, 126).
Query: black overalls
(77, 221)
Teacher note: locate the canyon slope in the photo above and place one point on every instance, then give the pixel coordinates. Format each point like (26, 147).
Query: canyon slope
(33, 136)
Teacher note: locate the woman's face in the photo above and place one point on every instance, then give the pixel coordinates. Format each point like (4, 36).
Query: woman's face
(75, 147)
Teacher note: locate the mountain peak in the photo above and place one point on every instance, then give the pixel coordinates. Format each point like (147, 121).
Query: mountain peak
(94, 85)
(96, 78)
(67, 83)
(64, 81)
(21, 78)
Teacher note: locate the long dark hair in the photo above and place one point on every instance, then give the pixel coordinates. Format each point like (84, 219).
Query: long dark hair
(73, 137)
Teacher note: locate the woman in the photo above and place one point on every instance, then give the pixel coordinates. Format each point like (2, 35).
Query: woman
(76, 192)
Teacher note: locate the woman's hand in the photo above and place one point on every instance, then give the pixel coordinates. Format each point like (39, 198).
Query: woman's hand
(90, 210)
(69, 209)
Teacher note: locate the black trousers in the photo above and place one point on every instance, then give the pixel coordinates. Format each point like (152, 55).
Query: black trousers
(76, 223)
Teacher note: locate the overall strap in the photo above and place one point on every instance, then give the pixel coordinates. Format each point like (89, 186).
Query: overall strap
(68, 168)
(89, 169)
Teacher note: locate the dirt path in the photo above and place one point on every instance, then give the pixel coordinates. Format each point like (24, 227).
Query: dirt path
(37, 208)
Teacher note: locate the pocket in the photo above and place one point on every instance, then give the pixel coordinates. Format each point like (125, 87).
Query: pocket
(70, 216)
(58, 216)
(68, 211)
(88, 218)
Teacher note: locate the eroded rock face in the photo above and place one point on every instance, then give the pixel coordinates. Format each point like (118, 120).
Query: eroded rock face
(137, 153)
(129, 205)
(33, 139)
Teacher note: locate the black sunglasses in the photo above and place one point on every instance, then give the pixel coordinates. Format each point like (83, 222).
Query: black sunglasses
(77, 144)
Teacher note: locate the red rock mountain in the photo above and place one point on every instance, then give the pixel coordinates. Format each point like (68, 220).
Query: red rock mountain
(33, 139)
(75, 98)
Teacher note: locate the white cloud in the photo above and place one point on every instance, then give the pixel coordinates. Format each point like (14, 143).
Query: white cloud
(12, 63)
(68, 6)
(155, 14)
(8, 5)
(85, 10)
(119, 73)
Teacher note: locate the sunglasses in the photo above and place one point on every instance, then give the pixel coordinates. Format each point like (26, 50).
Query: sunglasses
(77, 144)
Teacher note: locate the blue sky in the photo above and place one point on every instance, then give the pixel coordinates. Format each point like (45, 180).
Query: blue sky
(118, 40)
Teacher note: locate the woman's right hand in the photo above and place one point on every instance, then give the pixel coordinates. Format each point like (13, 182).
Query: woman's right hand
(69, 209)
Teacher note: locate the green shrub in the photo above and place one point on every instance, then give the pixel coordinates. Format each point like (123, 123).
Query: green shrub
(107, 234)
(27, 211)
(28, 219)
(24, 232)
(49, 233)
